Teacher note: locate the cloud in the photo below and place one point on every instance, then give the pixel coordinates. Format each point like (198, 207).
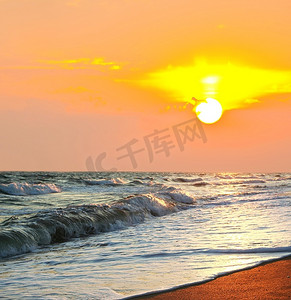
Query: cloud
(83, 63)
(69, 64)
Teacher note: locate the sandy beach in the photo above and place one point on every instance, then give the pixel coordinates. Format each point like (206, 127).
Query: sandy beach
(270, 280)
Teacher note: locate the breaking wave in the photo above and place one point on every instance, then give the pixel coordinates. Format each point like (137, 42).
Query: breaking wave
(28, 233)
(178, 196)
(24, 189)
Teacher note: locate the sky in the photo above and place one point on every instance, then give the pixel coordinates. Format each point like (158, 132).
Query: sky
(108, 85)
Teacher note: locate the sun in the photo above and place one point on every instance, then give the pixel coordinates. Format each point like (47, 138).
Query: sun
(209, 111)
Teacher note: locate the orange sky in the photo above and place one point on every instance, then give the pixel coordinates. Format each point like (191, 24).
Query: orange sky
(79, 78)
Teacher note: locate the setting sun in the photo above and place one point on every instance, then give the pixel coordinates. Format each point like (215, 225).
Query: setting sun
(208, 111)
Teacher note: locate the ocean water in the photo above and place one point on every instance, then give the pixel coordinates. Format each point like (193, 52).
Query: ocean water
(113, 235)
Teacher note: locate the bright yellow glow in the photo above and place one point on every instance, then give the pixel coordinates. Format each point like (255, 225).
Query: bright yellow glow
(209, 111)
(233, 85)
(210, 80)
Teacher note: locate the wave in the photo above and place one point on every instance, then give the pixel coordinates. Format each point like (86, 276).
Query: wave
(251, 251)
(177, 195)
(248, 177)
(113, 181)
(259, 186)
(144, 178)
(173, 253)
(203, 183)
(137, 182)
(224, 176)
(24, 189)
(251, 181)
(182, 179)
(24, 235)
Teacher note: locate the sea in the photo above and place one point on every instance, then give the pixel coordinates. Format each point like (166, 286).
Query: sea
(93, 235)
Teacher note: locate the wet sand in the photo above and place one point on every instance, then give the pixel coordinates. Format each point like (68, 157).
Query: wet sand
(271, 280)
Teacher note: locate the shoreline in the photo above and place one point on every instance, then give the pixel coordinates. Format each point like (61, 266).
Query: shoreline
(270, 279)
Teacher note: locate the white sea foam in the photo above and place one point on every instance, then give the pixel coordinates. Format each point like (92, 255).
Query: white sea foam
(149, 203)
(23, 189)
